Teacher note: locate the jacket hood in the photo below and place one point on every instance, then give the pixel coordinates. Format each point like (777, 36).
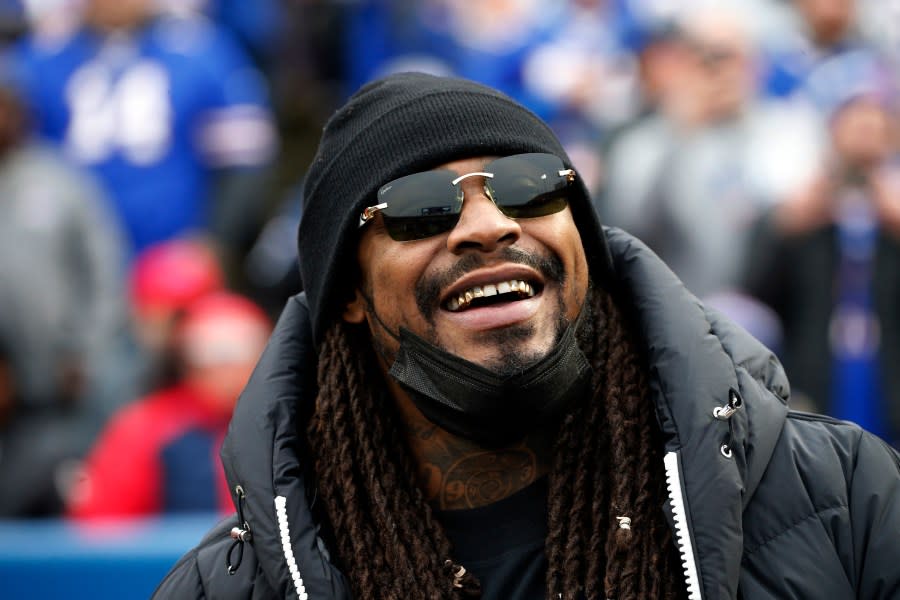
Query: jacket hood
(266, 468)
(698, 360)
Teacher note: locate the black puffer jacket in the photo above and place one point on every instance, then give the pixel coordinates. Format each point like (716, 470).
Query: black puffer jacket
(765, 503)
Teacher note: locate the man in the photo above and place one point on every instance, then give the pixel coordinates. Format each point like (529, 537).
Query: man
(63, 273)
(157, 454)
(691, 179)
(163, 281)
(168, 112)
(511, 399)
(828, 259)
(817, 30)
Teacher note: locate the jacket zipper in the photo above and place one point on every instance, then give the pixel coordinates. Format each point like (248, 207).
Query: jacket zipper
(682, 529)
(285, 534)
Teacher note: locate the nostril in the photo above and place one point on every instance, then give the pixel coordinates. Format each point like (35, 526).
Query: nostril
(468, 245)
(482, 237)
(509, 237)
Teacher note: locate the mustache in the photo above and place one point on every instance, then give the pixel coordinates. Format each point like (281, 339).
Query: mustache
(428, 288)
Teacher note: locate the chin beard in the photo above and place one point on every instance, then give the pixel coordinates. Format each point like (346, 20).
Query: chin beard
(508, 363)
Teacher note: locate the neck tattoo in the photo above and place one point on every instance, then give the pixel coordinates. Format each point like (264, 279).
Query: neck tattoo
(456, 473)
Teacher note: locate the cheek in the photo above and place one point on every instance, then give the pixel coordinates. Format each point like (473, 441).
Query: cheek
(572, 253)
(390, 278)
(561, 237)
(579, 285)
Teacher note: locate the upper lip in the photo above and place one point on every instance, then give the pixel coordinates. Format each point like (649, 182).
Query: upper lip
(489, 275)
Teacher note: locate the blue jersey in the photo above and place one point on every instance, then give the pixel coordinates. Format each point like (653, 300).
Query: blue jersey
(152, 112)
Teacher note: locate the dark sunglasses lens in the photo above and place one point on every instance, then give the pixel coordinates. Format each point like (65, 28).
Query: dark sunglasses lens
(420, 205)
(404, 229)
(528, 185)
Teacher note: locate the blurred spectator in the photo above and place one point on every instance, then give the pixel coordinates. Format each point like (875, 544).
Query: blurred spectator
(582, 73)
(822, 29)
(39, 447)
(648, 31)
(448, 37)
(160, 454)
(828, 259)
(691, 178)
(164, 280)
(167, 110)
(62, 267)
(566, 60)
(257, 25)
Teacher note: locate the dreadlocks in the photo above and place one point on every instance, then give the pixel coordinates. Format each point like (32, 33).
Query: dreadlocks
(607, 467)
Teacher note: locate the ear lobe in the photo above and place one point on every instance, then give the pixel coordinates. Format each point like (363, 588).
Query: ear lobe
(355, 310)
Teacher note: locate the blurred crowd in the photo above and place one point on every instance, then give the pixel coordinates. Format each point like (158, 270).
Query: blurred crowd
(152, 154)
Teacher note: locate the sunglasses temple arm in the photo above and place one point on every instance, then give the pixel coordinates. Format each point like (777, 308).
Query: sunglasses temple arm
(369, 213)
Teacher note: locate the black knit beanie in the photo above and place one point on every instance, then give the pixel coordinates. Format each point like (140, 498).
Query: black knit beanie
(403, 124)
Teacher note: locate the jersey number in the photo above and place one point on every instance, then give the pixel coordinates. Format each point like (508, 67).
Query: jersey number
(130, 114)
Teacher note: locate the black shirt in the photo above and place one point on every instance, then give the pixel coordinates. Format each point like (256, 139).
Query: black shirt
(503, 543)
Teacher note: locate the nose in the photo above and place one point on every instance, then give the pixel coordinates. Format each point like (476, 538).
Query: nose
(481, 225)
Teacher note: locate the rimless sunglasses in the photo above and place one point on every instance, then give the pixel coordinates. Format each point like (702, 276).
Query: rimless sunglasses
(429, 203)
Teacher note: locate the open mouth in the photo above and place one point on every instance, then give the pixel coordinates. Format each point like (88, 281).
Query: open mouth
(491, 294)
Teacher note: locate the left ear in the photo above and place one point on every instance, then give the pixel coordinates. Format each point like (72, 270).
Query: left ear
(355, 310)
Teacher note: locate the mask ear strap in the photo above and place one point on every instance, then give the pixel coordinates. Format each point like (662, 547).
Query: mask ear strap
(371, 307)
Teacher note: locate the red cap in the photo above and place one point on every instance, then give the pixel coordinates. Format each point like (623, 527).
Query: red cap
(173, 273)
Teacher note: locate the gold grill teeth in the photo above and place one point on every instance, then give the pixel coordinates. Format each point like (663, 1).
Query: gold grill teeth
(523, 289)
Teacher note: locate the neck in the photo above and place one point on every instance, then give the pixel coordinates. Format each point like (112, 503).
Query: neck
(456, 473)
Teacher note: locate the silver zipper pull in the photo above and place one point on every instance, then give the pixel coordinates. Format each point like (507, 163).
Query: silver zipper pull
(735, 402)
(240, 534)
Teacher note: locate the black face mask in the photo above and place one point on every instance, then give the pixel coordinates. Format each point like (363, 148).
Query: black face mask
(473, 402)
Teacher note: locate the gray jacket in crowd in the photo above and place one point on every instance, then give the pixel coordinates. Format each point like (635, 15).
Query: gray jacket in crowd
(62, 264)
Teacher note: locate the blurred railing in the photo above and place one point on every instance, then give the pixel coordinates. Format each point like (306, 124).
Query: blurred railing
(122, 560)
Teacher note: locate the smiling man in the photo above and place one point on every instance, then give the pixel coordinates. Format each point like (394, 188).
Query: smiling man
(494, 290)
(483, 393)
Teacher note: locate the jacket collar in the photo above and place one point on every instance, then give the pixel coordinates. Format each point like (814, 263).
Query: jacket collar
(698, 359)
(266, 467)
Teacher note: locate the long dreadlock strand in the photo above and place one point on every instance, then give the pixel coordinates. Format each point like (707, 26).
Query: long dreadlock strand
(370, 496)
(599, 449)
(624, 403)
